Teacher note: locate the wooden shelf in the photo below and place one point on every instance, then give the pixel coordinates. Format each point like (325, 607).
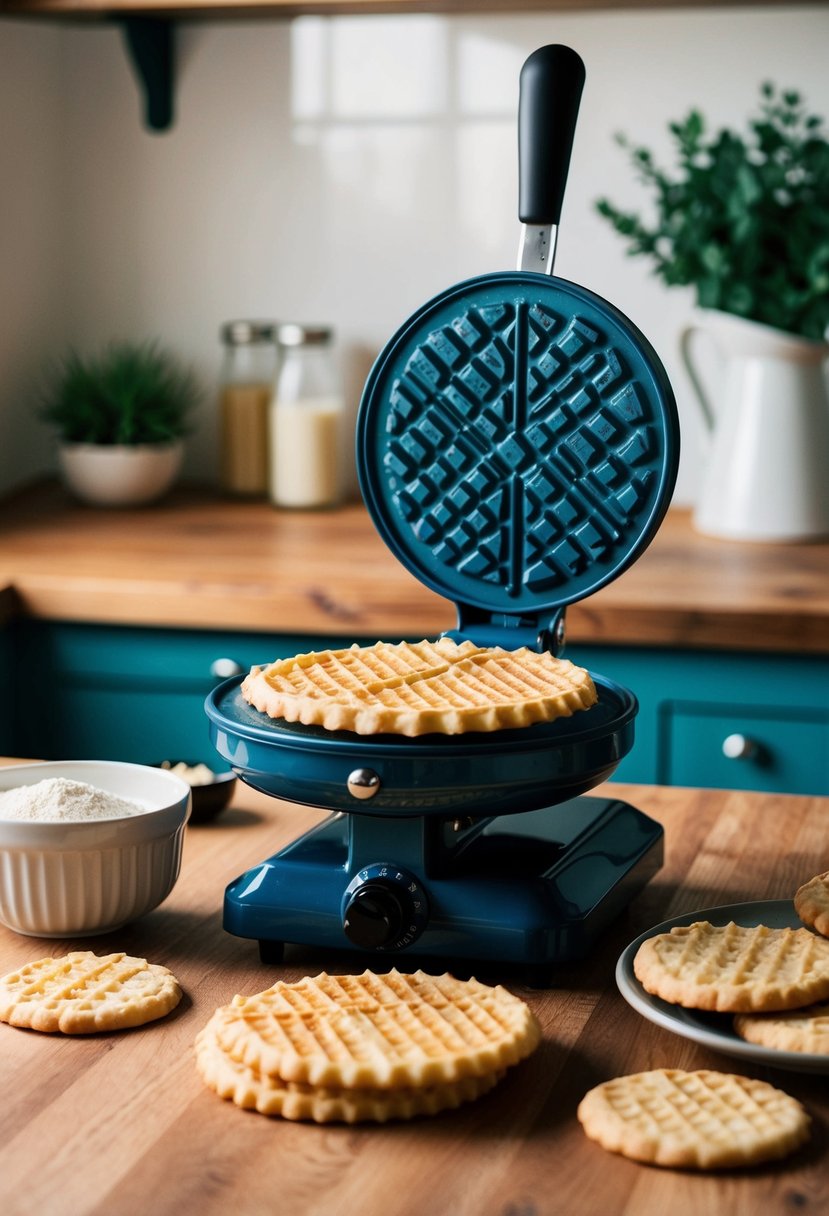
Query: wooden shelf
(150, 37)
(293, 8)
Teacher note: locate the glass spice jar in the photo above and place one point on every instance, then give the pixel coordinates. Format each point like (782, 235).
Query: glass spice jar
(246, 384)
(307, 420)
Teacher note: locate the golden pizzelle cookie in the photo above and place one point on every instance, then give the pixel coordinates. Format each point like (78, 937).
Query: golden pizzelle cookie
(252, 1090)
(801, 1030)
(734, 969)
(416, 688)
(811, 903)
(694, 1120)
(82, 992)
(377, 1031)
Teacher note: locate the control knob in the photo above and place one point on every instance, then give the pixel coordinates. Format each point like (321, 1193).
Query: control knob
(384, 908)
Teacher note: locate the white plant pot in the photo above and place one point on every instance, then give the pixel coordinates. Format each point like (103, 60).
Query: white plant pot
(114, 475)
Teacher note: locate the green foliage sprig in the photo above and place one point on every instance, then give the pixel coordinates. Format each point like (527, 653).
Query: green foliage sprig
(129, 394)
(745, 219)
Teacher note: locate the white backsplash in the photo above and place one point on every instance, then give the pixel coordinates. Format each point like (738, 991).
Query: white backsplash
(334, 170)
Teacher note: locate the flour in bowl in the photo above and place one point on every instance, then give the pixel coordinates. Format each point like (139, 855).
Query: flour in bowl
(59, 800)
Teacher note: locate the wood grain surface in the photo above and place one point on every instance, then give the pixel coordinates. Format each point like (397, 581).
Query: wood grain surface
(201, 561)
(122, 1123)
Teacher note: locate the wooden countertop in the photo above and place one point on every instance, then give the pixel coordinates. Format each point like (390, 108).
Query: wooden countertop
(197, 560)
(122, 1123)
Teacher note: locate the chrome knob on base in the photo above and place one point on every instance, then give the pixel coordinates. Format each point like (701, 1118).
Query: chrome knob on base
(363, 783)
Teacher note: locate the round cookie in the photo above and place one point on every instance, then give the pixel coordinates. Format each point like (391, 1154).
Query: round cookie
(811, 903)
(802, 1030)
(693, 1120)
(82, 992)
(731, 968)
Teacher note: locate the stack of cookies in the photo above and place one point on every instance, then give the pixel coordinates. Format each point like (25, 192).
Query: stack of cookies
(355, 1048)
(801, 1029)
(774, 981)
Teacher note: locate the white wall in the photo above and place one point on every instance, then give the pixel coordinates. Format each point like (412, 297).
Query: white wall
(33, 316)
(338, 170)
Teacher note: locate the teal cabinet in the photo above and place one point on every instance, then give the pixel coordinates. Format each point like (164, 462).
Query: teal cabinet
(706, 718)
(714, 719)
(119, 693)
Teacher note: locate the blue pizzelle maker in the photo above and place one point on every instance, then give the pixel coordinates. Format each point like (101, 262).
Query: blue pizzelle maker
(517, 447)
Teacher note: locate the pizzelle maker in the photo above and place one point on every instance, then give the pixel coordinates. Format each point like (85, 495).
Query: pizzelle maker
(517, 447)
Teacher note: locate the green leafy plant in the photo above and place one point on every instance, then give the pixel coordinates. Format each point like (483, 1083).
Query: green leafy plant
(129, 394)
(744, 219)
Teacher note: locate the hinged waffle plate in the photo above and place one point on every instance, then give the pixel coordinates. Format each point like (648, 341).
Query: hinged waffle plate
(517, 444)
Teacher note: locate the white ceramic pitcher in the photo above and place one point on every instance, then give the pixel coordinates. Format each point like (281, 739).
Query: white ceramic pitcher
(767, 474)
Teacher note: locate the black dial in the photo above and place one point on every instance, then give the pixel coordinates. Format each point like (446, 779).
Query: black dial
(384, 908)
(373, 916)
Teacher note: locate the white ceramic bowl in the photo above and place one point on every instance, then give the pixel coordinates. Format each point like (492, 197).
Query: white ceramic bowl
(83, 878)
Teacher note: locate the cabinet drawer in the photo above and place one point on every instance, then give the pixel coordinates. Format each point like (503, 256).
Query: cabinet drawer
(740, 747)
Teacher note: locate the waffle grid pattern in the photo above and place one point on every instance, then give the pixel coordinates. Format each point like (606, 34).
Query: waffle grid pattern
(521, 449)
(423, 675)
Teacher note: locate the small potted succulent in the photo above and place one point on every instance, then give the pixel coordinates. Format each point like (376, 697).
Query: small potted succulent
(121, 416)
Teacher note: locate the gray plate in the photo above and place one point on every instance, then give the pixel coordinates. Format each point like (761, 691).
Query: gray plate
(714, 1030)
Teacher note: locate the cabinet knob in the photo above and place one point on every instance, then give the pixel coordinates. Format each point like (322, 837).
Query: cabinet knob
(739, 747)
(223, 669)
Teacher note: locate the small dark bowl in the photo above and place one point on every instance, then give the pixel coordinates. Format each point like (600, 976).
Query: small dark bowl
(208, 800)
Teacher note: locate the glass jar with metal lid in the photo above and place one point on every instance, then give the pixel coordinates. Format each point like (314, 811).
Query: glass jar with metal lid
(307, 420)
(247, 379)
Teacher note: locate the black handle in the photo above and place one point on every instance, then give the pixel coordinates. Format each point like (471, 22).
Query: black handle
(550, 86)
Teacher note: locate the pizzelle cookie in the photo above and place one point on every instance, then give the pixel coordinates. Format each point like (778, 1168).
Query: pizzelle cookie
(378, 1031)
(82, 993)
(693, 1120)
(252, 1090)
(801, 1030)
(416, 688)
(811, 903)
(364, 1047)
(734, 969)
